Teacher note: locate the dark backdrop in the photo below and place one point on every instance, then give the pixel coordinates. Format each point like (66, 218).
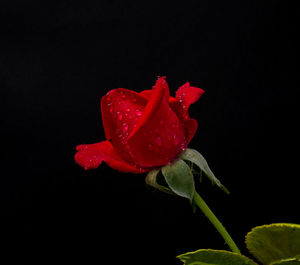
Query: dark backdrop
(56, 61)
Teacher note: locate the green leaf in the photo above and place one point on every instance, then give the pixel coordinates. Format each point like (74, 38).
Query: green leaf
(214, 257)
(196, 158)
(275, 243)
(179, 178)
(291, 261)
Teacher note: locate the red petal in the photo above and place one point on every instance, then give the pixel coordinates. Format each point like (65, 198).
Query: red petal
(159, 136)
(191, 126)
(185, 96)
(91, 156)
(188, 95)
(121, 111)
(160, 91)
(146, 93)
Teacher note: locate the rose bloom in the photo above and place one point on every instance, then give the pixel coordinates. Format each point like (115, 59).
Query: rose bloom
(143, 130)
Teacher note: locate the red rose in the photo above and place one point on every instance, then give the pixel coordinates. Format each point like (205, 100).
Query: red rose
(143, 130)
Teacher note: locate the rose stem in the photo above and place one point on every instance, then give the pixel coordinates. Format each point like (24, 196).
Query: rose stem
(214, 220)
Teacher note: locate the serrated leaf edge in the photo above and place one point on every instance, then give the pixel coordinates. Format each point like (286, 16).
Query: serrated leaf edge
(297, 258)
(215, 251)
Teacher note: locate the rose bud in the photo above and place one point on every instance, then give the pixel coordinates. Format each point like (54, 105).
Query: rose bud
(143, 130)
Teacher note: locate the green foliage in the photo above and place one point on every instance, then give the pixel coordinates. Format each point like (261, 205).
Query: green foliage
(275, 244)
(291, 261)
(214, 257)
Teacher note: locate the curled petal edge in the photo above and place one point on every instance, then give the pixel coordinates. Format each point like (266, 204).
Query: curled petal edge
(159, 92)
(90, 156)
(188, 95)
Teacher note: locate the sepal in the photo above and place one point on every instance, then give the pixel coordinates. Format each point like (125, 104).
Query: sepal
(196, 158)
(175, 178)
(180, 179)
(152, 180)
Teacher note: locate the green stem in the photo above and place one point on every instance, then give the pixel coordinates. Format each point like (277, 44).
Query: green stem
(214, 220)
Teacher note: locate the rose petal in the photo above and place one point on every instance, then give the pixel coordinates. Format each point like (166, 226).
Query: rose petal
(160, 91)
(90, 156)
(146, 93)
(191, 126)
(185, 96)
(121, 111)
(188, 95)
(159, 136)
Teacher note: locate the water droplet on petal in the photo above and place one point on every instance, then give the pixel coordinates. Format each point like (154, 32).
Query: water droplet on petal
(182, 147)
(128, 109)
(123, 96)
(158, 141)
(175, 125)
(138, 113)
(175, 139)
(125, 127)
(108, 98)
(110, 110)
(120, 116)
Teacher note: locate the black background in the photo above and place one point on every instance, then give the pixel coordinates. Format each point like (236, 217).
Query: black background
(56, 61)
